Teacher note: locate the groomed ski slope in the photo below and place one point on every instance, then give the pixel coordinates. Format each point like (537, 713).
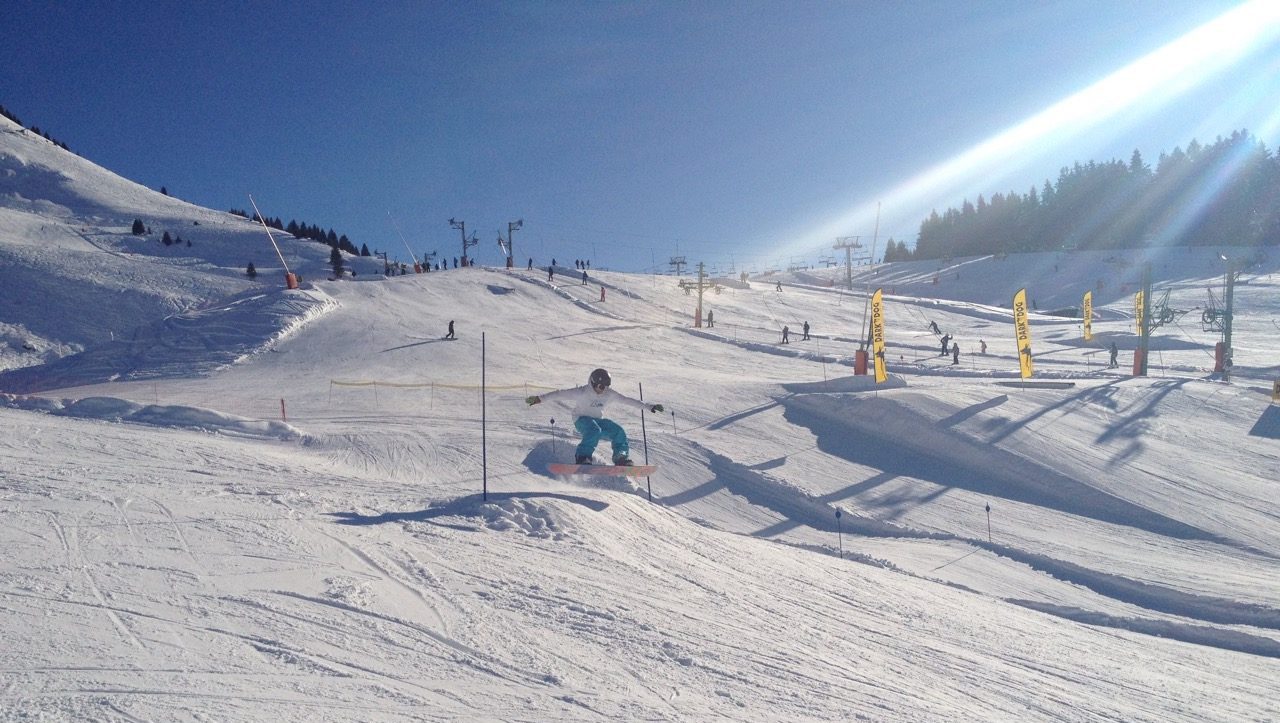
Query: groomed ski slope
(348, 568)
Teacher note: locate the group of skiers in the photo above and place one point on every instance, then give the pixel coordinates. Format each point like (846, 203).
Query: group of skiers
(950, 346)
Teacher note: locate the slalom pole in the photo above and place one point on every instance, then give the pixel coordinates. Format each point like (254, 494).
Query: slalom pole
(645, 435)
(265, 227)
(484, 449)
(840, 533)
(988, 523)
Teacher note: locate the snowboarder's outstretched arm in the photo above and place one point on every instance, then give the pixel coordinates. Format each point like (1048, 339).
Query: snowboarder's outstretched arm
(584, 398)
(619, 397)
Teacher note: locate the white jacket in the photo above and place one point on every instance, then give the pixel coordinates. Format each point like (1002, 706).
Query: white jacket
(586, 403)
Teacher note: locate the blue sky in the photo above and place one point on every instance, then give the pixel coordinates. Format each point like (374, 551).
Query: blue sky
(745, 134)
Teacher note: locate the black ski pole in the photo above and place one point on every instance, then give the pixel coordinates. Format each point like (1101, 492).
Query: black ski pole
(988, 523)
(553, 437)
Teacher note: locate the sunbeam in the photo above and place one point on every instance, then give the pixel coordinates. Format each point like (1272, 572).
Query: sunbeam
(1138, 90)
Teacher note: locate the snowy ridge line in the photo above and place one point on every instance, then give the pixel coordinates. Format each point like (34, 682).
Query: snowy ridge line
(195, 342)
(884, 427)
(769, 347)
(525, 274)
(593, 307)
(111, 409)
(306, 315)
(802, 508)
(1233, 640)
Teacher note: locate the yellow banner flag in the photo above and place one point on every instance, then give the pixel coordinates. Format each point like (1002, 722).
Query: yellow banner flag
(1088, 315)
(877, 335)
(1023, 329)
(1137, 313)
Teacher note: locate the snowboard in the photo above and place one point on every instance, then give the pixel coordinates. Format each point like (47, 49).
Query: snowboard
(603, 470)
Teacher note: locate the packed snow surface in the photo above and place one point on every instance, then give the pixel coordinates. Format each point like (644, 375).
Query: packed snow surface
(225, 500)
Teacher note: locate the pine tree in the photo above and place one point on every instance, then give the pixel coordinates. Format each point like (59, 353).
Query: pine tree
(138, 228)
(335, 258)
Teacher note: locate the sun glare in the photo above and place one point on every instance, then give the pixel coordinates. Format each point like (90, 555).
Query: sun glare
(1139, 89)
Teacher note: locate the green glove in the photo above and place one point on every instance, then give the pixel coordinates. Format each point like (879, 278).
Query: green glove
(656, 409)
(532, 400)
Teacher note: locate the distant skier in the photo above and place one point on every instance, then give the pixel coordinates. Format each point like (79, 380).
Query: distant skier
(804, 336)
(946, 341)
(450, 334)
(955, 354)
(779, 286)
(786, 331)
(530, 263)
(551, 271)
(1114, 353)
(711, 319)
(588, 403)
(584, 277)
(982, 347)
(933, 326)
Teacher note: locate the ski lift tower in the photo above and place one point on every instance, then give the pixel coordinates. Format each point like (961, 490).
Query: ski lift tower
(1221, 320)
(1153, 316)
(512, 227)
(848, 243)
(677, 263)
(466, 242)
(697, 315)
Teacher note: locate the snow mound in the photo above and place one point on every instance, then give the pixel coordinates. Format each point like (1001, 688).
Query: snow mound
(112, 409)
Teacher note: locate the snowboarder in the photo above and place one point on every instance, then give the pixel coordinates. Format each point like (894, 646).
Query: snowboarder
(946, 340)
(785, 333)
(588, 411)
(1114, 352)
(933, 326)
(805, 332)
(955, 354)
(450, 334)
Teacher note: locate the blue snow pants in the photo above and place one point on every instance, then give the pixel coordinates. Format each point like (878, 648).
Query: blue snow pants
(593, 429)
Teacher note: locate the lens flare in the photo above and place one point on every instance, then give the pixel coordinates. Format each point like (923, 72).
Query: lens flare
(1139, 89)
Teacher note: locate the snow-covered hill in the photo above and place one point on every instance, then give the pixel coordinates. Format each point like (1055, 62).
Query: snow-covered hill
(226, 500)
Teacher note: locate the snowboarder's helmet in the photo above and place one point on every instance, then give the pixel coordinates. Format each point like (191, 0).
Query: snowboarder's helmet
(600, 379)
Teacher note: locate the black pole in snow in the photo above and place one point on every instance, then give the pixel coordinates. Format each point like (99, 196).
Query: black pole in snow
(645, 435)
(484, 449)
(840, 533)
(988, 523)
